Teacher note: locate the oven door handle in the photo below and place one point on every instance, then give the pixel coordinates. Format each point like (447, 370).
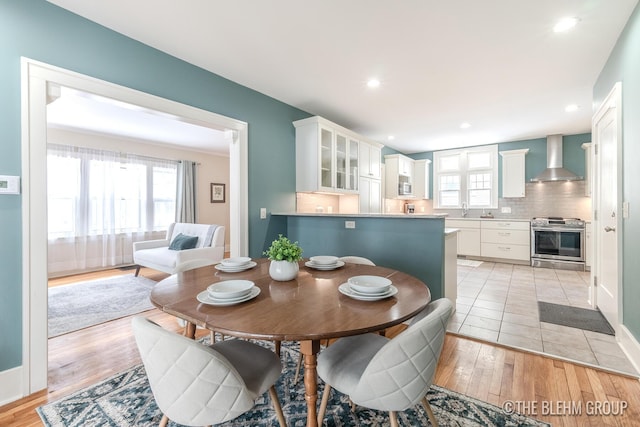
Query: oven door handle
(573, 230)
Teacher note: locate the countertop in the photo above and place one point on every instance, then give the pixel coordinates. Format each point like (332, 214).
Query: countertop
(490, 219)
(364, 215)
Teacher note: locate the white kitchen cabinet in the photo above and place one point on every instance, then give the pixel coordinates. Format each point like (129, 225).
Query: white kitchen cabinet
(397, 167)
(370, 157)
(370, 195)
(468, 236)
(326, 157)
(509, 240)
(421, 171)
(513, 173)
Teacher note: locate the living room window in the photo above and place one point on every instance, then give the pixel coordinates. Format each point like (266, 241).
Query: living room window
(466, 176)
(95, 192)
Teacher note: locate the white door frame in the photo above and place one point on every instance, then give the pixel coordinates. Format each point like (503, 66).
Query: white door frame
(613, 100)
(35, 78)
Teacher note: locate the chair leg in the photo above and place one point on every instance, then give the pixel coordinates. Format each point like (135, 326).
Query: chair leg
(163, 421)
(427, 407)
(276, 405)
(323, 403)
(278, 345)
(298, 366)
(393, 419)
(137, 270)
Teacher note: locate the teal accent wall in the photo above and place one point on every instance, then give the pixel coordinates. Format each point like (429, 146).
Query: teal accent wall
(623, 66)
(44, 32)
(412, 245)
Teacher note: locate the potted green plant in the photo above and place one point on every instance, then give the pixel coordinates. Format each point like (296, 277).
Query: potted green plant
(284, 255)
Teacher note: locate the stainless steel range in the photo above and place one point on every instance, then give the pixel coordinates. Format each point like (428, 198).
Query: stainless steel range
(558, 243)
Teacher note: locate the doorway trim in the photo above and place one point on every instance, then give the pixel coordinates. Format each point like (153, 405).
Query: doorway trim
(36, 76)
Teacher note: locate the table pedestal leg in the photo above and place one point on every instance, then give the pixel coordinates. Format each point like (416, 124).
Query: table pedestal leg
(310, 350)
(190, 330)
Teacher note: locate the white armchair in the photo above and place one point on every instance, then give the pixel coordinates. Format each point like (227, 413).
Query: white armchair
(208, 250)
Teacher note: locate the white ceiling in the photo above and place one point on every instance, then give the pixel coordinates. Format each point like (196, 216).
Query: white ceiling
(495, 64)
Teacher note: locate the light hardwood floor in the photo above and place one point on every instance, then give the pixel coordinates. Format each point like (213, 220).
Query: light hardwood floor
(562, 393)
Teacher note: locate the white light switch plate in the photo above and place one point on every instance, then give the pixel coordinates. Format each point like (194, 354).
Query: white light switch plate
(506, 209)
(9, 184)
(263, 213)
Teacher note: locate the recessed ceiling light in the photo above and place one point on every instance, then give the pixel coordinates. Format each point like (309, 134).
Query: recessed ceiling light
(571, 108)
(391, 137)
(465, 125)
(373, 83)
(565, 24)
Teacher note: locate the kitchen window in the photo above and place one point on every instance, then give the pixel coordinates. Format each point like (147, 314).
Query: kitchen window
(466, 176)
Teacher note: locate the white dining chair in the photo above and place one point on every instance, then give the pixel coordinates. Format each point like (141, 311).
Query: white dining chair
(387, 374)
(194, 384)
(356, 260)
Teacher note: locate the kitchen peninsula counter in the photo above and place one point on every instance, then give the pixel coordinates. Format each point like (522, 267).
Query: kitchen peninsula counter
(413, 243)
(364, 215)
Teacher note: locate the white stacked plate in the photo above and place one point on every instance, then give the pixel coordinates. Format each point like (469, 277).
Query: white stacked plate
(368, 288)
(324, 262)
(236, 264)
(229, 292)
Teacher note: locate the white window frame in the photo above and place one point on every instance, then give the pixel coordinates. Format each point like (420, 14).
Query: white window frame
(465, 171)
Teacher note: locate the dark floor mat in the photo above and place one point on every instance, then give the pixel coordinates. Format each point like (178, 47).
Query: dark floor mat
(574, 317)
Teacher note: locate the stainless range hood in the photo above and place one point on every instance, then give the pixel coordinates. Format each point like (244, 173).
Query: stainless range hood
(554, 170)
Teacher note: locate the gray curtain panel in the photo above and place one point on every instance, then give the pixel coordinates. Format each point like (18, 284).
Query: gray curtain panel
(186, 192)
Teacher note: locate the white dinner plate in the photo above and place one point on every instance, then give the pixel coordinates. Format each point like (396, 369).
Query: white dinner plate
(236, 262)
(205, 298)
(345, 289)
(324, 259)
(313, 265)
(369, 284)
(230, 289)
(226, 269)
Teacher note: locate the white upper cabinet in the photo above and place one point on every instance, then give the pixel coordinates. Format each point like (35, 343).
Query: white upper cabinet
(399, 170)
(513, 173)
(327, 157)
(370, 155)
(421, 172)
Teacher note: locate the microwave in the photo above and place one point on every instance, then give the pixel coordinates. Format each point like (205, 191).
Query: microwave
(404, 189)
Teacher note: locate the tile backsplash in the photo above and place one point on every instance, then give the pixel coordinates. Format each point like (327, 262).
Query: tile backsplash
(564, 199)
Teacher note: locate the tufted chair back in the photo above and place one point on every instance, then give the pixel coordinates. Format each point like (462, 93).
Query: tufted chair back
(193, 384)
(401, 372)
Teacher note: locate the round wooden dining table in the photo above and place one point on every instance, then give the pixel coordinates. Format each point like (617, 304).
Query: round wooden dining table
(308, 309)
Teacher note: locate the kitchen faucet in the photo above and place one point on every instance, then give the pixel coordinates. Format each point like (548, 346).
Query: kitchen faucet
(465, 210)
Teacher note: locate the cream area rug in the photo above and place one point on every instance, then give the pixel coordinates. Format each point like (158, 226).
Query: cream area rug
(80, 305)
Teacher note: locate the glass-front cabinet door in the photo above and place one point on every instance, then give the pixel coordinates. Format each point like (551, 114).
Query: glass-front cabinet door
(326, 158)
(342, 178)
(353, 165)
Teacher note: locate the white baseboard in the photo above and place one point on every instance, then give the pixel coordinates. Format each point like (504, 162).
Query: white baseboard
(11, 389)
(630, 346)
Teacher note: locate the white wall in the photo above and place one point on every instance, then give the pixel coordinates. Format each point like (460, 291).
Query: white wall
(211, 169)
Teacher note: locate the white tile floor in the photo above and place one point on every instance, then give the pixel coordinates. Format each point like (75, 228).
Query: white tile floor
(498, 303)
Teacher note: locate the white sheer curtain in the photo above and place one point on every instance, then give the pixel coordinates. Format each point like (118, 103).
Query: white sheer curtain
(99, 202)
(186, 192)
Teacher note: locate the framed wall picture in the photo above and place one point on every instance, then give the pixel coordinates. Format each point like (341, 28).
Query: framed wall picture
(217, 193)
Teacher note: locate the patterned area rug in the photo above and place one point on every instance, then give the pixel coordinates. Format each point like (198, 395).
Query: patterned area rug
(126, 400)
(80, 305)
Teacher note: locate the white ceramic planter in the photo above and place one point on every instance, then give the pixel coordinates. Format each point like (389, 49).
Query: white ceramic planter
(283, 270)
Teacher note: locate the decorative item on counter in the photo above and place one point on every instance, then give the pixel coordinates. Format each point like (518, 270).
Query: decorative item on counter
(284, 255)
